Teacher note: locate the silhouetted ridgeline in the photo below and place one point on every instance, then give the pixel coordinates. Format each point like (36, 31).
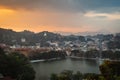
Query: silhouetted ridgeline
(11, 37)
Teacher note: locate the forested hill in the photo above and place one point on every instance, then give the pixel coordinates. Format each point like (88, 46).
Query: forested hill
(10, 37)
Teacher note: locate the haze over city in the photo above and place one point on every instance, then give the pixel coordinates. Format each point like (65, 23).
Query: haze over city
(60, 15)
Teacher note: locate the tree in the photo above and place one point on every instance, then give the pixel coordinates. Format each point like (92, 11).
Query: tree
(54, 77)
(91, 76)
(67, 75)
(16, 66)
(110, 70)
(77, 76)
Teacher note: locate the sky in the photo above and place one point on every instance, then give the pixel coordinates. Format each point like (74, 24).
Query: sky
(61, 15)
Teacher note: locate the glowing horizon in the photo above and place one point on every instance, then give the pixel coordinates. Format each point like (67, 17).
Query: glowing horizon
(64, 16)
(20, 26)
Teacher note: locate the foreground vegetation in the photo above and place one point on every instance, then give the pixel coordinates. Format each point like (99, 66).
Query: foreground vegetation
(69, 75)
(15, 66)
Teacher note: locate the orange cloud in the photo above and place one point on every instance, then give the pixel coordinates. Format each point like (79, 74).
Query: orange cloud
(6, 12)
(37, 21)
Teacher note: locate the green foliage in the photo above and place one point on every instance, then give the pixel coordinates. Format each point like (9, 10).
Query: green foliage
(66, 75)
(47, 55)
(101, 78)
(77, 76)
(16, 66)
(69, 75)
(110, 70)
(92, 54)
(91, 76)
(89, 54)
(117, 78)
(54, 77)
(113, 55)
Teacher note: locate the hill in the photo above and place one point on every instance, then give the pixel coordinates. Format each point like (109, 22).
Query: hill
(10, 37)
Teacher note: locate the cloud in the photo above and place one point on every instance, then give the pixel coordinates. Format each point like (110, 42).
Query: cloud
(71, 15)
(41, 5)
(63, 5)
(109, 16)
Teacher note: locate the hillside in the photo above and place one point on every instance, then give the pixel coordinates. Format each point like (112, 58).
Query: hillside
(25, 37)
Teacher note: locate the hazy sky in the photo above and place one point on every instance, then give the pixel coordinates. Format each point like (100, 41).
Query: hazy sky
(60, 15)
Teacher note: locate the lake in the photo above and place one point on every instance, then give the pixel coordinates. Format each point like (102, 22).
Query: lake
(45, 69)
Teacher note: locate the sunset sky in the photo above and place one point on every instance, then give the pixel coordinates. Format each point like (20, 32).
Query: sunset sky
(60, 15)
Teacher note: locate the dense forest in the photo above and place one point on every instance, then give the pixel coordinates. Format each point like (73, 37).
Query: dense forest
(47, 55)
(15, 66)
(114, 55)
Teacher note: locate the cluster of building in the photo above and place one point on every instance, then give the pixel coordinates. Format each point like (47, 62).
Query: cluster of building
(92, 44)
(65, 45)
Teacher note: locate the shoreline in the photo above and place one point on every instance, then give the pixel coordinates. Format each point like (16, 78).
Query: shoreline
(72, 57)
(75, 57)
(43, 60)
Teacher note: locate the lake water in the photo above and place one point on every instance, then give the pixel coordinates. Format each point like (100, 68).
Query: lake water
(45, 69)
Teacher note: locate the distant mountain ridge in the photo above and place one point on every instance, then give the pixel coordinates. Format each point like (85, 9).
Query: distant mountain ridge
(84, 33)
